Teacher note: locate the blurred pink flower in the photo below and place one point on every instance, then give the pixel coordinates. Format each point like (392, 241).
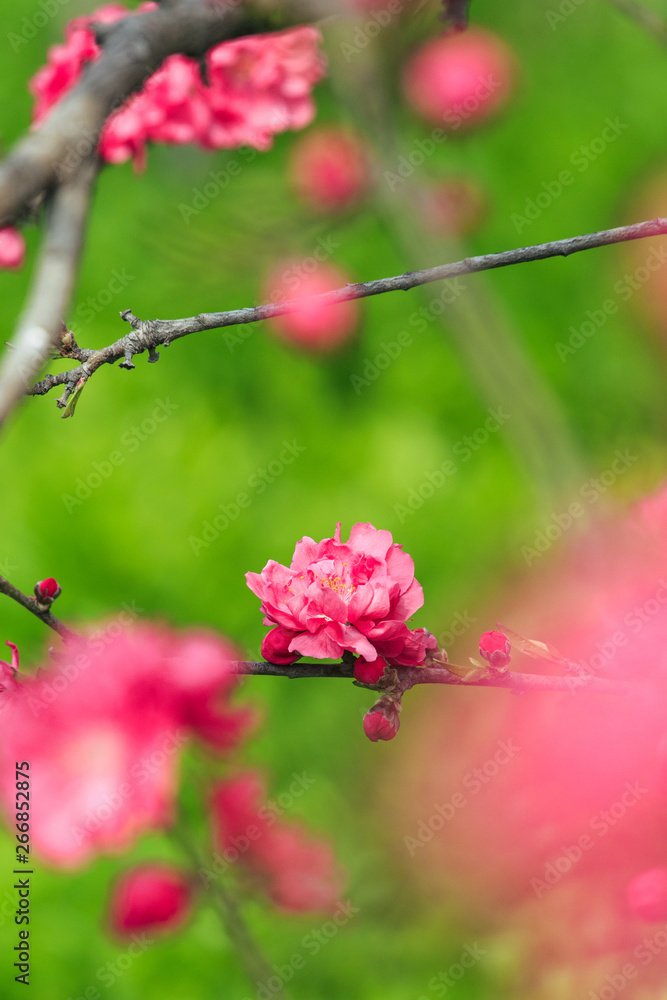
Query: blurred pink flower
(314, 324)
(12, 248)
(102, 731)
(150, 897)
(647, 894)
(460, 79)
(329, 169)
(298, 872)
(258, 86)
(564, 793)
(338, 596)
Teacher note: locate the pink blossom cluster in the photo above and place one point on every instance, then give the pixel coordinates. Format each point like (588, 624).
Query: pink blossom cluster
(335, 596)
(297, 872)
(256, 87)
(103, 729)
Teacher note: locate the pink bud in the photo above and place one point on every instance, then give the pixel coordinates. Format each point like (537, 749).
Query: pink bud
(47, 590)
(150, 897)
(315, 325)
(647, 894)
(382, 722)
(378, 727)
(459, 79)
(329, 170)
(495, 648)
(12, 248)
(369, 671)
(275, 646)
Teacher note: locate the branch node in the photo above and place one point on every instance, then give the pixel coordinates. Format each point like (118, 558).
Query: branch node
(127, 360)
(129, 317)
(153, 355)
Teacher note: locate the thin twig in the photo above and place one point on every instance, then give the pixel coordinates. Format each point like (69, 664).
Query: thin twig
(250, 956)
(146, 335)
(409, 677)
(31, 605)
(40, 325)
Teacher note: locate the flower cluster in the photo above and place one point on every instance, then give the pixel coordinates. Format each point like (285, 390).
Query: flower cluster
(297, 872)
(103, 730)
(353, 596)
(255, 87)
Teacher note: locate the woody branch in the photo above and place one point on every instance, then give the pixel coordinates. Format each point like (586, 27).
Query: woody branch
(147, 335)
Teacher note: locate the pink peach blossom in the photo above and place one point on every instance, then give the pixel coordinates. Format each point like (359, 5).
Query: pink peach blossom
(337, 596)
(257, 86)
(102, 730)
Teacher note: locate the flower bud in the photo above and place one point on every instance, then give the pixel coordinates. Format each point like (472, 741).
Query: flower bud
(46, 591)
(369, 671)
(150, 897)
(647, 894)
(382, 721)
(275, 646)
(495, 648)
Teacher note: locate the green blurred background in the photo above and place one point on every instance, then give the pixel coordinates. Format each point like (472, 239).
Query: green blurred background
(234, 404)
